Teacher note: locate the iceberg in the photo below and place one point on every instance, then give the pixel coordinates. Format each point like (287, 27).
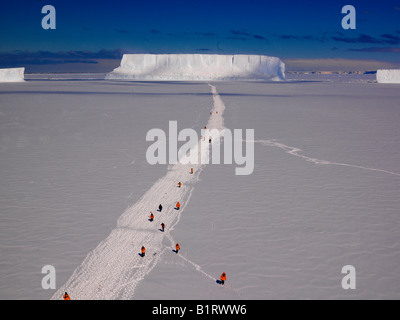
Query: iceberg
(198, 67)
(12, 75)
(388, 76)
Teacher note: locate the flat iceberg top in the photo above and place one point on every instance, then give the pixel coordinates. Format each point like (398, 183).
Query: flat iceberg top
(198, 67)
(12, 75)
(388, 76)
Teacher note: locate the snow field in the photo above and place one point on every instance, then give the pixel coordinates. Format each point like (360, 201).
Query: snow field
(324, 192)
(115, 268)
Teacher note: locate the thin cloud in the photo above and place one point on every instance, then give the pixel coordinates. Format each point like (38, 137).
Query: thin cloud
(391, 39)
(240, 33)
(121, 31)
(154, 31)
(205, 34)
(377, 49)
(243, 36)
(237, 38)
(386, 38)
(362, 38)
(18, 58)
(302, 38)
(196, 33)
(257, 36)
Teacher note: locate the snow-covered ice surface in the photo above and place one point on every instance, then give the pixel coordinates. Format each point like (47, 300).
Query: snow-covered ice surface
(12, 75)
(65, 76)
(116, 264)
(343, 78)
(72, 161)
(198, 67)
(323, 194)
(388, 76)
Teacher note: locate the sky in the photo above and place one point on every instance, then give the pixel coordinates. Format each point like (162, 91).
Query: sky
(92, 35)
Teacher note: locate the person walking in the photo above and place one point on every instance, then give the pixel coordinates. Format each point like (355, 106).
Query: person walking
(151, 216)
(162, 227)
(223, 277)
(66, 296)
(178, 205)
(160, 208)
(177, 247)
(143, 251)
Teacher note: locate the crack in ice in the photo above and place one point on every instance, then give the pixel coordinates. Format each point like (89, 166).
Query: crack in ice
(298, 153)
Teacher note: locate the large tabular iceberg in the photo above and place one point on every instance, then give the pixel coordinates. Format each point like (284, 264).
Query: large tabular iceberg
(388, 76)
(12, 75)
(198, 67)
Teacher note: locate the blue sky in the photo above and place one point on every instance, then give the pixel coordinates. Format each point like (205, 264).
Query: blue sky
(97, 33)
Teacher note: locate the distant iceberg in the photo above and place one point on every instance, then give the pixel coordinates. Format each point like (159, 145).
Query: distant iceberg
(388, 76)
(12, 75)
(198, 67)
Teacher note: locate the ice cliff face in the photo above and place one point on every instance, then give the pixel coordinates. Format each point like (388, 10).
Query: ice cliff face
(198, 67)
(388, 76)
(12, 75)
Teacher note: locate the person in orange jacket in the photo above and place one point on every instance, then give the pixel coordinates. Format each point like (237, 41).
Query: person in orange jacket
(151, 216)
(178, 205)
(191, 170)
(223, 277)
(177, 247)
(143, 251)
(179, 185)
(66, 296)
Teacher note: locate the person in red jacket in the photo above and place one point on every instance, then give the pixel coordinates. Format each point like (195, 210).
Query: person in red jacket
(143, 251)
(162, 227)
(223, 277)
(178, 205)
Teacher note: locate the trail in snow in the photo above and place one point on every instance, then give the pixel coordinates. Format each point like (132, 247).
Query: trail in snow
(114, 268)
(298, 153)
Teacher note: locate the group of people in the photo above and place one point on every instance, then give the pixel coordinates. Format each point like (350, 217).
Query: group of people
(177, 246)
(151, 219)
